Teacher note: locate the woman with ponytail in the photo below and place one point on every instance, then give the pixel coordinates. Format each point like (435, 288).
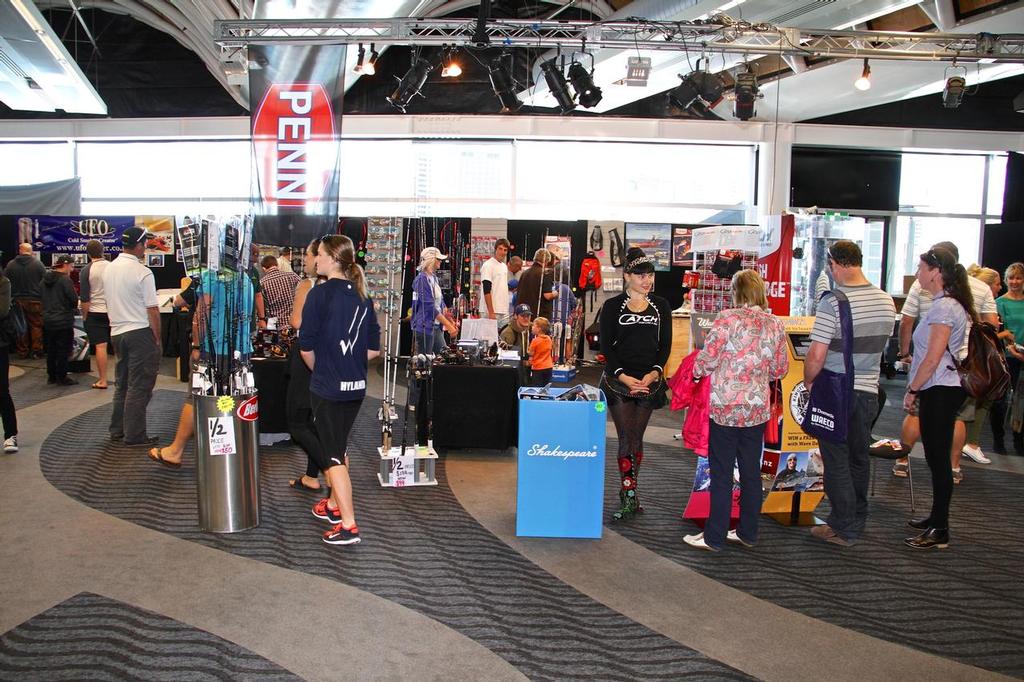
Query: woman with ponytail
(636, 336)
(339, 336)
(935, 385)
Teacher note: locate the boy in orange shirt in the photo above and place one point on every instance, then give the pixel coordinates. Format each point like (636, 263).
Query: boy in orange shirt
(540, 352)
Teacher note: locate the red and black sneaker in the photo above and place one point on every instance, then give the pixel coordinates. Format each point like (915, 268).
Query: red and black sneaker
(322, 511)
(339, 535)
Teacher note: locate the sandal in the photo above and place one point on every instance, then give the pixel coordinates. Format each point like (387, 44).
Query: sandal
(299, 484)
(97, 385)
(156, 454)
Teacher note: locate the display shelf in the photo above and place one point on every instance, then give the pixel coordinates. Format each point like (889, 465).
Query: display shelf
(423, 460)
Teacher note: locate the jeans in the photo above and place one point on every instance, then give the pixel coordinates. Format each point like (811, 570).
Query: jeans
(6, 404)
(58, 349)
(847, 469)
(939, 405)
(730, 446)
(430, 343)
(138, 361)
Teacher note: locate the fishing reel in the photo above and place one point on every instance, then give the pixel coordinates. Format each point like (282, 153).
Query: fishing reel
(420, 366)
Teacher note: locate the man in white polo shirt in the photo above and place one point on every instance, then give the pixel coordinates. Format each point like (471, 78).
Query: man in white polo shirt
(135, 334)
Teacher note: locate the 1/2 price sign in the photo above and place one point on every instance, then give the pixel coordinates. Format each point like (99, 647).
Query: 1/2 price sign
(403, 471)
(221, 434)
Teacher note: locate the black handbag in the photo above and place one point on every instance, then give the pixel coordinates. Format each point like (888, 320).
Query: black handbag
(828, 406)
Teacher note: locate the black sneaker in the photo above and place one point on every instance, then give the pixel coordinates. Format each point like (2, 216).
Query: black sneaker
(67, 381)
(148, 440)
(322, 511)
(340, 535)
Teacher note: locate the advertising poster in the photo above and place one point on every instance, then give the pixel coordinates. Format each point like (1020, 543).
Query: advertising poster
(797, 473)
(795, 395)
(161, 234)
(682, 238)
(698, 507)
(69, 234)
(656, 241)
(700, 325)
(775, 263)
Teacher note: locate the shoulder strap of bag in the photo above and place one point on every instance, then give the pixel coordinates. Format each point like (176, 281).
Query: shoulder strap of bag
(846, 326)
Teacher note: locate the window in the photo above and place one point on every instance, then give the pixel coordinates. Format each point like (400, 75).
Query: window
(36, 162)
(913, 236)
(942, 183)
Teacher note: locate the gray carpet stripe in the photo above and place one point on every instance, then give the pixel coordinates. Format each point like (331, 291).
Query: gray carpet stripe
(961, 603)
(420, 549)
(90, 637)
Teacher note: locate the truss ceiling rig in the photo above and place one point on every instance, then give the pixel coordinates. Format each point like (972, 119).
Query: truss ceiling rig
(721, 35)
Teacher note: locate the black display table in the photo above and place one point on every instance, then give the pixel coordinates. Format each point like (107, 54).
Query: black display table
(475, 407)
(271, 376)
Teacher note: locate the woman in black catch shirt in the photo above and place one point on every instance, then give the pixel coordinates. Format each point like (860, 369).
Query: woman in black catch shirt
(339, 336)
(636, 336)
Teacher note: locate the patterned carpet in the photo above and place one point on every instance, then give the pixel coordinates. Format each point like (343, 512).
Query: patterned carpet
(963, 603)
(420, 549)
(90, 637)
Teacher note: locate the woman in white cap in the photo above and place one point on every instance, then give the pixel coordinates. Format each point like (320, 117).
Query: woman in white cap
(428, 308)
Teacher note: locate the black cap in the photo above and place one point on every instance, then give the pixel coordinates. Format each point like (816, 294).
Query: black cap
(132, 236)
(62, 260)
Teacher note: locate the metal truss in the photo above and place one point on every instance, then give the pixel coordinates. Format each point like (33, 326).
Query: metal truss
(720, 35)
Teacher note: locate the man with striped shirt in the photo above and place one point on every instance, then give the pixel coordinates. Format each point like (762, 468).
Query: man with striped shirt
(846, 464)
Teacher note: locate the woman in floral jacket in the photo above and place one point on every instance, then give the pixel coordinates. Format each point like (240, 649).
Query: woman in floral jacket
(743, 352)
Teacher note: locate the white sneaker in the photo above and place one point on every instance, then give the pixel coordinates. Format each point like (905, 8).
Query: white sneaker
(11, 444)
(731, 536)
(698, 542)
(976, 454)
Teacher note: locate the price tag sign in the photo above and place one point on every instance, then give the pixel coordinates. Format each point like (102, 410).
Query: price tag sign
(221, 433)
(403, 471)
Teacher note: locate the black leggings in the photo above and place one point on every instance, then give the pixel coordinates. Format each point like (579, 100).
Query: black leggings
(334, 420)
(937, 412)
(6, 404)
(630, 418)
(299, 413)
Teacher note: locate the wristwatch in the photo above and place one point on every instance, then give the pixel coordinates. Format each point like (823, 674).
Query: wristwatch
(912, 391)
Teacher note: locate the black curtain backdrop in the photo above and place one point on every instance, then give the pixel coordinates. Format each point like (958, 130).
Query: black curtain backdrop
(1013, 194)
(1001, 246)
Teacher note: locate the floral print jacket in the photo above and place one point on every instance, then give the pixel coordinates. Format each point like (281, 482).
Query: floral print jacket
(744, 350)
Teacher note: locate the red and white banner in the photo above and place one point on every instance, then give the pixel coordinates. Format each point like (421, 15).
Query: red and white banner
(776, 261)
(295, 104)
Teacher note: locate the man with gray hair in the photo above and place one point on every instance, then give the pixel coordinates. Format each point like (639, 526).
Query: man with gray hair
(26, 275)
(135, 333)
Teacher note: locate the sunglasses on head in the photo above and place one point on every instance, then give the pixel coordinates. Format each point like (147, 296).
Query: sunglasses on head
(931, 258)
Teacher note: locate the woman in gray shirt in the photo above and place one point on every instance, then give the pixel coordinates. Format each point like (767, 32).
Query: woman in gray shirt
(935, 384)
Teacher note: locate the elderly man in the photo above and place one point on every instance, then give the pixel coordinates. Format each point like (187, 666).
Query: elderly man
(278, 291)
(135, 334)
(846, 464)
(26, 275)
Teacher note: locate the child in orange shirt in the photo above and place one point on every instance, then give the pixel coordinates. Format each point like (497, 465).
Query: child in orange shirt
(540, 352)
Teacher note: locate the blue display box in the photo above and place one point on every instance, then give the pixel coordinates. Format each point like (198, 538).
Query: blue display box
(560, 488)
(563, 375)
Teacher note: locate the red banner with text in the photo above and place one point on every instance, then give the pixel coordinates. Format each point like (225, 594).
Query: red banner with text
(295, 105)
(776, 261)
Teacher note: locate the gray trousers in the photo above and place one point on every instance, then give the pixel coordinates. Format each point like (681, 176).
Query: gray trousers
(138, 361)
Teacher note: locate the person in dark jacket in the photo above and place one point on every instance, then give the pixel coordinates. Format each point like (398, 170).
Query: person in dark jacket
(10, 418)
(536, 285)
(26, 275)
(59, 304)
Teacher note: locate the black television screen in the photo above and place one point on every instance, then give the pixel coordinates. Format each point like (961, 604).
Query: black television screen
(845, 178)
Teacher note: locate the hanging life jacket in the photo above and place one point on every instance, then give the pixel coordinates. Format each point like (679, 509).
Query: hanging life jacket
(596, 239)
(590, 273)
(616, 255)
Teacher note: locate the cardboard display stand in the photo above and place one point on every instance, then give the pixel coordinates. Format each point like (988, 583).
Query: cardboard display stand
(560, 488)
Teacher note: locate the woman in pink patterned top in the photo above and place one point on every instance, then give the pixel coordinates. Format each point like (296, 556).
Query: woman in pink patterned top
(743, 352)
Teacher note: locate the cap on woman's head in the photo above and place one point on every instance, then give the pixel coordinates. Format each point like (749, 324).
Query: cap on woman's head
(432, 252)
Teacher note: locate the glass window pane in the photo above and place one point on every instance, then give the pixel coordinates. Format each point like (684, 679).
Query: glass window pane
(582, 173)
(469, 170)
(913, 236)
(941, 183)
(178, 209)
(35, 162)
(996, 184)
(216, 169)
(377, 169)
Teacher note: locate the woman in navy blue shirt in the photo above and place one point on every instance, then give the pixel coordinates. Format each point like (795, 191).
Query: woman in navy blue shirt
(340, 335)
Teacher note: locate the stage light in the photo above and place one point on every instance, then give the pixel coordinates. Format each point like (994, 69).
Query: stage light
(698, 87)
(638, 71)
(589, 95)
(504, 87)
(746, 93)
(370, 67)
(864, 82)
(449, 67)
(956, 86)
(358, 68)
(558, 86)
(411, 83)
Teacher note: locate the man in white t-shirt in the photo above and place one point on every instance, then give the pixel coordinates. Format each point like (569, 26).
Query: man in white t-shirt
(135, 334)
(917, 304)
(494, 284)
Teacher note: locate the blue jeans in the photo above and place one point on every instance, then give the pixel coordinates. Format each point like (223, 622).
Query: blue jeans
(730, 446)
(847, 469)
(430, 343)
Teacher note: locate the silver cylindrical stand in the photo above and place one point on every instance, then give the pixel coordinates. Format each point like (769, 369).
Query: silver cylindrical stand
(227, 462)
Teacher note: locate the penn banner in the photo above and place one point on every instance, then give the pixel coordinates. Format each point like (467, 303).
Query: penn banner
(775, 263)
(295, 102)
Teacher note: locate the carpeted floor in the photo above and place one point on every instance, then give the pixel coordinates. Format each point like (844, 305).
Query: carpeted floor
(420, 549)
(91, 637)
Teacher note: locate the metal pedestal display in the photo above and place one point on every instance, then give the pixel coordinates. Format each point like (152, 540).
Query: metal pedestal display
(227, 462)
